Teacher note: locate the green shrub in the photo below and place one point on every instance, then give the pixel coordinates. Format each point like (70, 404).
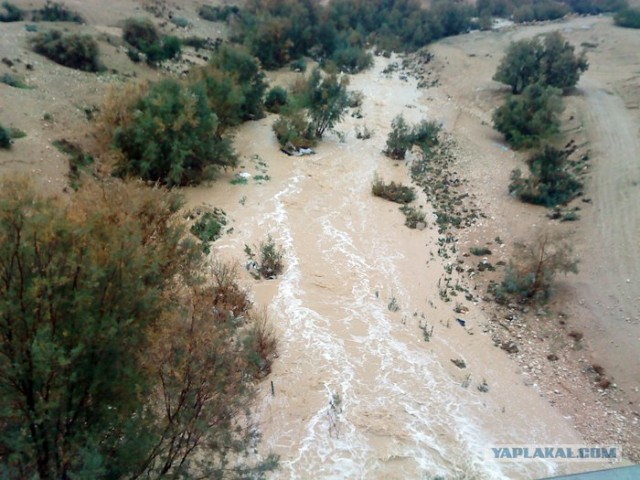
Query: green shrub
(13, 81)
(5, 138)
(425, 134)
(413, 216)
(217, 13)
(10, 13)
(527, 119)
(71, 50)
(298, 65)
(629, 18)
(181, 22)
(293, 129)
(352, 59)
(597, 6)
(56, 12)
(399, 140)
(142, 34)
(276, 98)
(395, 192)
(480, 251)
(208, 227)
(549, 183)
(171, 136)
(269, 262)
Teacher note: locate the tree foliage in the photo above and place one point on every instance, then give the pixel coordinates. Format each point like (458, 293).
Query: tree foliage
(170, 136)
(629, 18)
(116, 359)
(326, 101)
(550, 62)
(550, 181)
(403, 137)
(527, 119)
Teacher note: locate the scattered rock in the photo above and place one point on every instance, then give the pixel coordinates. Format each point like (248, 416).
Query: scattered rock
(552, 357)
(510, 347)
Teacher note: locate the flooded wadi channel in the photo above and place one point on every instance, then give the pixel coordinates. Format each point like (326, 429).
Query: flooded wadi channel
(358, 392)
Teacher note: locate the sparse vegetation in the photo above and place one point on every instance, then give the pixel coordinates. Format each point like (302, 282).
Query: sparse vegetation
(56, 12)
(217, 13)
(71, 50)
(395, 192)
(413, 217)
(530, 273)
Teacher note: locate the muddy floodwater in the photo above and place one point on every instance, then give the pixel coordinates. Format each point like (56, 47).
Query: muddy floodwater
(358, 392)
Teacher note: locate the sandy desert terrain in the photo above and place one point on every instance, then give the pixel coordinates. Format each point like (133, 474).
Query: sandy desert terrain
(359, 393)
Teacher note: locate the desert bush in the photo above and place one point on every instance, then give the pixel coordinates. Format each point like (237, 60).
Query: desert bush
(261, 343)
(71, 50)
(528, 119)
(5, 138)
(180, 22)
(10, 13)
(217, 13)
(269, 261)
(399, 139)
(142, 34)
(56, 12)
(597, 6)
(292, 129)
(276, 98)
(395, 192)
(549, 183)
(629, 18)
(480, 251)
(550, 62)
(170, 136)
(208, 227)
(540, 11)
(235, 86)
(298, 65)
(13, 81)
(413, 216)
(530, 274)
(352, 59)
(403, 137)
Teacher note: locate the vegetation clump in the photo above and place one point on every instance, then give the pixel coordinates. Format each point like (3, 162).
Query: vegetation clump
(71, 50)
(414, 217)
(268, 262)
(56, 12)
(13, 81)
(530, 273)
(5, 138)
(208, 227)
(143, 35)
(276, 98)
(153, 376)
(10, 13)
(79, 161)
(551, 62)
(629, 18)
(395, 192)
(403, 137)
(169, 135)
(550, 182)
(528, 119)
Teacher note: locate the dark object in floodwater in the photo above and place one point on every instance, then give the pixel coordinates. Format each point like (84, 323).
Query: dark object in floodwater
(461, 322)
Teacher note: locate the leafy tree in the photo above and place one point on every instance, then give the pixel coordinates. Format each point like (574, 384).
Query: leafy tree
(170, 136)
(527, 119)
(116, 360)
(399, 139)
(551, 62)
(532, 270)
(326, 100)
(276, 98)
(549, 183)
